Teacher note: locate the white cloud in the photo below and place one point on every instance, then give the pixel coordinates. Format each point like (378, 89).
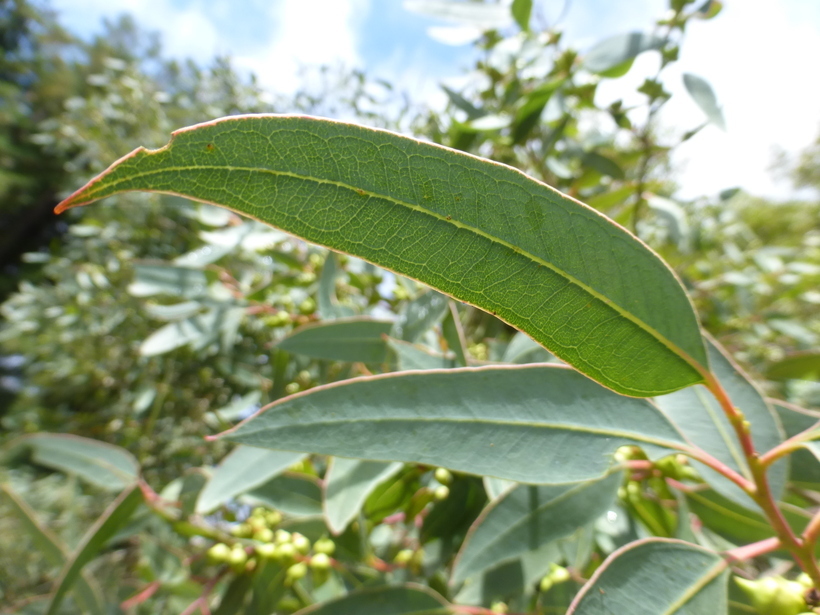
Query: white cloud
(758, 56)
(305, 33)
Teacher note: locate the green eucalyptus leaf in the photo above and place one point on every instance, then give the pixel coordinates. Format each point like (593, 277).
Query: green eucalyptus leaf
(654, 576)
(241, 470)
(412, 356)
(457, 223)
(356, 339)
(296, 495)
(700, 418)
(616, 51)
(420, 315)
(109, 523)
(804, 470)
(535, 423)
(521, 10)
(329, 307)
(528, 517)
(101, 464)
(702, 93)
(347, 485)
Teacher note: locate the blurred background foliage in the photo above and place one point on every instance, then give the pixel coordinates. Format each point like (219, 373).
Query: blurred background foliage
(150, 321)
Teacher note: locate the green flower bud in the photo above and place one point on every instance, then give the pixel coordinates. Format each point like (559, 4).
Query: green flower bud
(774, 595)
(324, 545)
(441, 493)
(500, 607)
(264, 535)
(308, 306)
(291, 388)
(320, 561)
(443, 476)
(559, 574)
(285, 551)
(282, 536)
(301, 543)
(546, 583)
(220, 552)
(237, 557)
(296, 572)
(403, 557)
(267, 550)
(243, 530)
(259, 512)
(273, 518)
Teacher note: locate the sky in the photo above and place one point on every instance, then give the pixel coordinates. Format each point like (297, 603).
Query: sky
(759, 55)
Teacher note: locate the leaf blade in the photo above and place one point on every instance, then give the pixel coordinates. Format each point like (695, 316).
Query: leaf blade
(457, 223)
(534, 423)
(656, 576)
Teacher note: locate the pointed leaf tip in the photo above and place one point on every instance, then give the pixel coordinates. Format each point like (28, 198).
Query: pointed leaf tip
(456, 222)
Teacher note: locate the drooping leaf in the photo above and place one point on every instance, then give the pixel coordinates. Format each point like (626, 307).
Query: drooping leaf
(235, 595)
(150, 280)
(521, 575)
(654, 576)
(410, 356)
(345, 339)
(86, 595)
(536, 423)
(702, 93)
(453, 334)
(329, 307)
(101, 464)
(199, 331)
(529, 517)
(108, 524)
(804, 366)
(602, 164)
(462, 103)
(457, 223)
(348, 482)
(619, 50)
(700, 418)
(409, 599)
(521, 10)
(522, 349)
(296, 495)
(243, 469)
(419, 315)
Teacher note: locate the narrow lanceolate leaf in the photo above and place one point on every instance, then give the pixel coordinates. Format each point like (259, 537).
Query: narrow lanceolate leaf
(243, 469)
(419, 315)
(619, 50)
(655, 576)
(296, 495)
(49, 546)
(101, 464)
(698, 415)
(409, 599)
(108, 524)
(533, 424)
(345, 339)
(347, 484)
(479, 231)
(529, 517)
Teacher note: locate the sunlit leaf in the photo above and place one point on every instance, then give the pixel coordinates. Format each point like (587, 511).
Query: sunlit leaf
(243, 469)
(619, 50)
(453, 221)
(702, 93)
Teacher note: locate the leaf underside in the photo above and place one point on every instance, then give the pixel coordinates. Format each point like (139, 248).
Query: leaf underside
(479, 231)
